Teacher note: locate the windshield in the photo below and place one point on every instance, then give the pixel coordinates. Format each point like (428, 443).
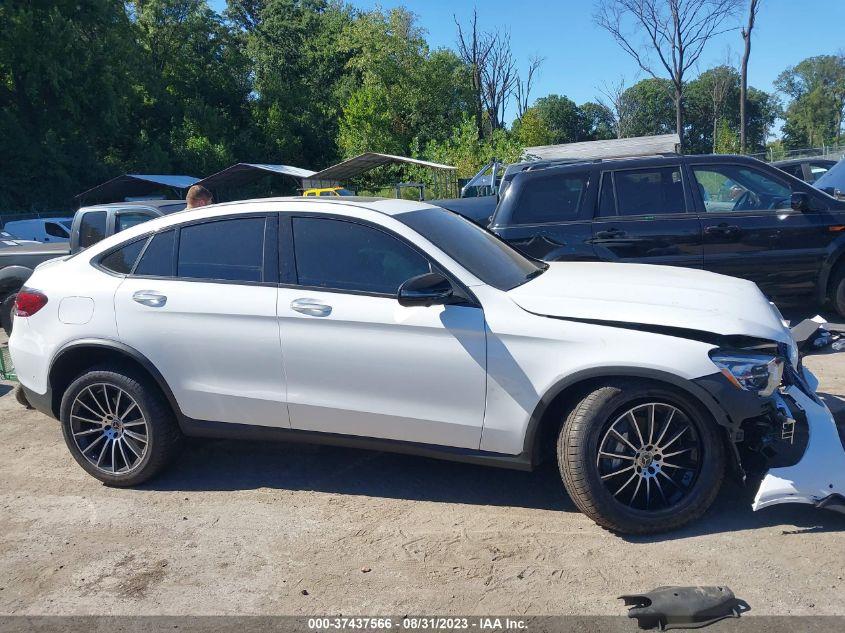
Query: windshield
(834, 177)
(478, 250)
(66, 223)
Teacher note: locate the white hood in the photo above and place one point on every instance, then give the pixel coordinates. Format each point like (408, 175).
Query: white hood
(652, 295)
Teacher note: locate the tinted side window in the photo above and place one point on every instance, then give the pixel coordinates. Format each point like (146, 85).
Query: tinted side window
(158, 257)
(649, 191)
(554, 198)
(55, 230)
(122, 260)
(817, 170)
(231, 250)
(737, 188)
(92, 228)
(126, 220)
(348, 256)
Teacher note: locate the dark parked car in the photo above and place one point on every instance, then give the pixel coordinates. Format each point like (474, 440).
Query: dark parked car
(807, 169)
(90, 225)
(728, 214)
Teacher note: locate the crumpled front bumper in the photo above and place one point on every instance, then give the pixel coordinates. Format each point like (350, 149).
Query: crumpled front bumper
(819, 476)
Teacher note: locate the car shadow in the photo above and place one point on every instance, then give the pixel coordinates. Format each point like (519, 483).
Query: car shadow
(220, 465)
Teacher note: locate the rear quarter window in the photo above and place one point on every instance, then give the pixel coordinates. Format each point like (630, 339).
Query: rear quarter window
(551, 198)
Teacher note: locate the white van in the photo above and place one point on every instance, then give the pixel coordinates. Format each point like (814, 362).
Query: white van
(41, 229)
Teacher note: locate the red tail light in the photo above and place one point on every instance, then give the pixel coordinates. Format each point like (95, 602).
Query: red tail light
(29, 301)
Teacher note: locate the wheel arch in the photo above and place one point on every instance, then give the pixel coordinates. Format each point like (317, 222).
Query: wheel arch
(74, 358)
(547, 415)
(833, 261)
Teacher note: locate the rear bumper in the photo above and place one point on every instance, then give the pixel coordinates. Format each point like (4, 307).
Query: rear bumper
(819, 476)
(42, 402)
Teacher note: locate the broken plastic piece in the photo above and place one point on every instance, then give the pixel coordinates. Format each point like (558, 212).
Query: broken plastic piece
(821, 471)
(683, 607)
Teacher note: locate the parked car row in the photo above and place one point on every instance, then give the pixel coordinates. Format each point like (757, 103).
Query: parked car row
(399, 326)
(728, 214)
(88, 226)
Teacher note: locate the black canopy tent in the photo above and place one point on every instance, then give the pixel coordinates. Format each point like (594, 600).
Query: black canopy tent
(129, 186)
(444, 180)
(250, 175)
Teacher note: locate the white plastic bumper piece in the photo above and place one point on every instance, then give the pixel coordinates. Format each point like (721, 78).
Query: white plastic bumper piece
(819, 477)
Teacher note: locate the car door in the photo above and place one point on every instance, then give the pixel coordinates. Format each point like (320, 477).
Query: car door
(200, 305)
(357, 362)
(643, 216)
(751, 231)
(550, 218)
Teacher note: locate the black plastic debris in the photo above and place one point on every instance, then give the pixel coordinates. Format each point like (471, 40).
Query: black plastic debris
(683, 607)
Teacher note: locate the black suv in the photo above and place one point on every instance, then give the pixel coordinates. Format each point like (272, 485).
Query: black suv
(727, 214)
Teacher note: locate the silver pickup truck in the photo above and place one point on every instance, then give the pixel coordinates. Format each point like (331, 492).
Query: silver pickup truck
(90, 225)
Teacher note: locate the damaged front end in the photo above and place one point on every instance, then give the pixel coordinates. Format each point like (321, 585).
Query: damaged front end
(817, 476)
(782, 432)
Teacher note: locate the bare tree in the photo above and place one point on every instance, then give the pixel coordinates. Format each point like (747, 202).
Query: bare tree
(475, 48)
(617, 105)
(676, 31)
(498, 79)
(523, 88)
(753, 8)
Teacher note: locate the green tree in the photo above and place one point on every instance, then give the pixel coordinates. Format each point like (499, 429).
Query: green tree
(563, 119)
(465, 151)
(650, 107)
(531, 130)
(194, 87)
(66, 94)
(297, 71)
(598, 121)
(406, 94)
(816, 89)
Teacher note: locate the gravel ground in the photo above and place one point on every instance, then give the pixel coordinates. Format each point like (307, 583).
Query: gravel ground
(243, 528)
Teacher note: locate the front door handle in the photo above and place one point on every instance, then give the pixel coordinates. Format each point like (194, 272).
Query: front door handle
(611, 234)
(149, 298)
(311, 307)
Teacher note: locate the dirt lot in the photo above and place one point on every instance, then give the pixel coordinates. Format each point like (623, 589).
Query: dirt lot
(239, 528)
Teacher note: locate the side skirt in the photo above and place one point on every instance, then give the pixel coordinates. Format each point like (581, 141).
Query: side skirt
(226, 430)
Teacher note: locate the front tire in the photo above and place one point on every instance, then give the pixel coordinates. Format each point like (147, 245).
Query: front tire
(640, 458)
(837, 291)
(118, 426)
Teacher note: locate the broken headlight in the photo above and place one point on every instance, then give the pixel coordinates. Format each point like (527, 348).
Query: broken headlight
(758, 373)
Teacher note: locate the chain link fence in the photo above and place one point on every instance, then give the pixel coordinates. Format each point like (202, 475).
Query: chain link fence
(832, 152)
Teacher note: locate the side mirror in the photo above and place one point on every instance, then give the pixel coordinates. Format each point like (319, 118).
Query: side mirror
(799, 201)
(425, 290)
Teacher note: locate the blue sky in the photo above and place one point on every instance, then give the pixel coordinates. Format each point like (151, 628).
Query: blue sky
(581, 57)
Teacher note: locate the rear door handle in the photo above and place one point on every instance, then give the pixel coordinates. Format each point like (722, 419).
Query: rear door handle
(149, 298)
(725, 229)
(311, 307)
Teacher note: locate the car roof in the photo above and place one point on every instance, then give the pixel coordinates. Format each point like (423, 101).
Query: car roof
(386, 206)
(157, 204)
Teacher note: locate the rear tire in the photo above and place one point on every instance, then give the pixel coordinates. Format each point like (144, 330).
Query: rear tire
(118, 426)
(6, 317)
(594, 479)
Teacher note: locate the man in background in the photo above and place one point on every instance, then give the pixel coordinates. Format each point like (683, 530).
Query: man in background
(198, 196)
